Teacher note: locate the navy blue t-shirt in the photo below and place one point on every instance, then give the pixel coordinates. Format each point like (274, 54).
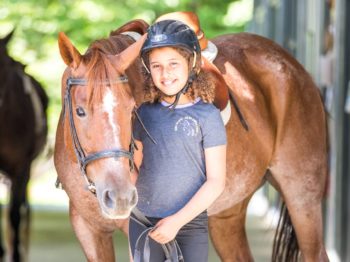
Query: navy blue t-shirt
(173, 169)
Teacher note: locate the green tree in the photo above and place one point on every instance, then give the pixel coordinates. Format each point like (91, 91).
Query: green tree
(37, 24)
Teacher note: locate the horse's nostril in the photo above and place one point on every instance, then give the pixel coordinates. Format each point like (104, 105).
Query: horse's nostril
(109, 198)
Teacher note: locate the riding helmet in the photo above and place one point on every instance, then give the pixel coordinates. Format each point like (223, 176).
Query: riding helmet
(171, 33)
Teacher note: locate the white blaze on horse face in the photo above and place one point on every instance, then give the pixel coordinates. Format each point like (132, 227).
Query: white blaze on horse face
(109, 103)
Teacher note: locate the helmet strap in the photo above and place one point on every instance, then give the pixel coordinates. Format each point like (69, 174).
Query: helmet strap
(189, 82)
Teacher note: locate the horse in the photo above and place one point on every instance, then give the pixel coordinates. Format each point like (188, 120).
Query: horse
(276, 134)
(93, 153)
(23, 132)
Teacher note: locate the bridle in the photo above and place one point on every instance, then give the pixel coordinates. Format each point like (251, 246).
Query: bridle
(82, 157)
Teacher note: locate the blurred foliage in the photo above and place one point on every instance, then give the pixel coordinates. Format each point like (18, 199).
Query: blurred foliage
(37, 24)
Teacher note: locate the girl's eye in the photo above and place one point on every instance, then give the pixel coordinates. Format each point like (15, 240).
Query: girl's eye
(173, 64)
(80, 111)
(155, 66)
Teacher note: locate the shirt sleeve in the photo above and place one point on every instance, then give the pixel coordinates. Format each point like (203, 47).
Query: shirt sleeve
(214, 132)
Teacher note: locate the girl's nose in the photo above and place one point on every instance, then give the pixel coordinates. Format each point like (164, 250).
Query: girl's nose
(167, 71)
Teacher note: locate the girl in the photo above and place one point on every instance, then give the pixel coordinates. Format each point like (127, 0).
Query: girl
(181, 171)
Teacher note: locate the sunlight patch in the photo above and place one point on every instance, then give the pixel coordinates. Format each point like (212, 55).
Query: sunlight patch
(239, 13)
(172, 3)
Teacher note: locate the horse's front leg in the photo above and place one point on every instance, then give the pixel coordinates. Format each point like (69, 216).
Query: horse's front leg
(97, 244)
(19, 212)
(227, 232)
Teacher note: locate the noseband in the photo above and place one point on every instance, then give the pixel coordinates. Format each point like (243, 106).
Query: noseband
(82, 158)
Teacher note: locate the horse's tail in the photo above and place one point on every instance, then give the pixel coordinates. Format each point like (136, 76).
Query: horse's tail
(285, 245)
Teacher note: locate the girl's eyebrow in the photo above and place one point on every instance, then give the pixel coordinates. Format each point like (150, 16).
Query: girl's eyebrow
(170, 59)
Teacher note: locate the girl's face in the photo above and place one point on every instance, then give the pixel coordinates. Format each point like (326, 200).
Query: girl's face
(169, 70)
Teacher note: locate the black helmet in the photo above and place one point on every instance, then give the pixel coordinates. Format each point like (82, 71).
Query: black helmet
(171, 33)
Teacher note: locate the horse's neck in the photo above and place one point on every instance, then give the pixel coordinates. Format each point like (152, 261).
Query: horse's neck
(137, 83)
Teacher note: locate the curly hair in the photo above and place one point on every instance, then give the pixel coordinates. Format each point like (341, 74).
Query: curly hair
(203, 86)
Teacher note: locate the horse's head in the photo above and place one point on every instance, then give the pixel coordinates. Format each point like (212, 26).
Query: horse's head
(6, 61)
(98, 90)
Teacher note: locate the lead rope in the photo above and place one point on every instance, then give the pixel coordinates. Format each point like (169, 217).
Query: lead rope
(171, 249)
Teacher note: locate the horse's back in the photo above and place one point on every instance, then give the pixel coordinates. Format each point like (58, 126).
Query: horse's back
(275, 86)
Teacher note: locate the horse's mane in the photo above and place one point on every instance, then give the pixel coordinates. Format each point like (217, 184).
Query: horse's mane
(99, 68)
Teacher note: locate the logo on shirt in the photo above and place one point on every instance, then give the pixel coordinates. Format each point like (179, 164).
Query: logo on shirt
(188, 125)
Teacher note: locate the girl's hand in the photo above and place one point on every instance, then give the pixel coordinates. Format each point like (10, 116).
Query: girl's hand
(165, 230)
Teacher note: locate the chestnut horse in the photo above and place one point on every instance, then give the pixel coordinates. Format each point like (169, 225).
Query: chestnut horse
(23, 130)
(93, 146)
(284, 142)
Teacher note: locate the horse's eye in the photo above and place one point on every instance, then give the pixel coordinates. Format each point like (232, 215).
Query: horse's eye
(80, 111)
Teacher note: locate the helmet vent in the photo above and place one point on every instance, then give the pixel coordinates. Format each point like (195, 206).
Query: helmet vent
(159, 38)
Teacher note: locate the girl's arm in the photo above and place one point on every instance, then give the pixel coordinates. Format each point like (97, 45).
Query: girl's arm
(167, 228)
(137, 160)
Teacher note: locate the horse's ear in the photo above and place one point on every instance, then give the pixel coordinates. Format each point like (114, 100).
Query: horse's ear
(7, 38)
(124, 59)
(137, 25)
(69, 53)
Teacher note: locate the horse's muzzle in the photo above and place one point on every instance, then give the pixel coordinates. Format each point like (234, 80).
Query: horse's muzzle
(117, 205)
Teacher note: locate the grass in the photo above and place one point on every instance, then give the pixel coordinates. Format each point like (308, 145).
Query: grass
(52, 239)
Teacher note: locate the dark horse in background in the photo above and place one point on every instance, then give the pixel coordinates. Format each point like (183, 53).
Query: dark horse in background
(23, 131)
(284, 142)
